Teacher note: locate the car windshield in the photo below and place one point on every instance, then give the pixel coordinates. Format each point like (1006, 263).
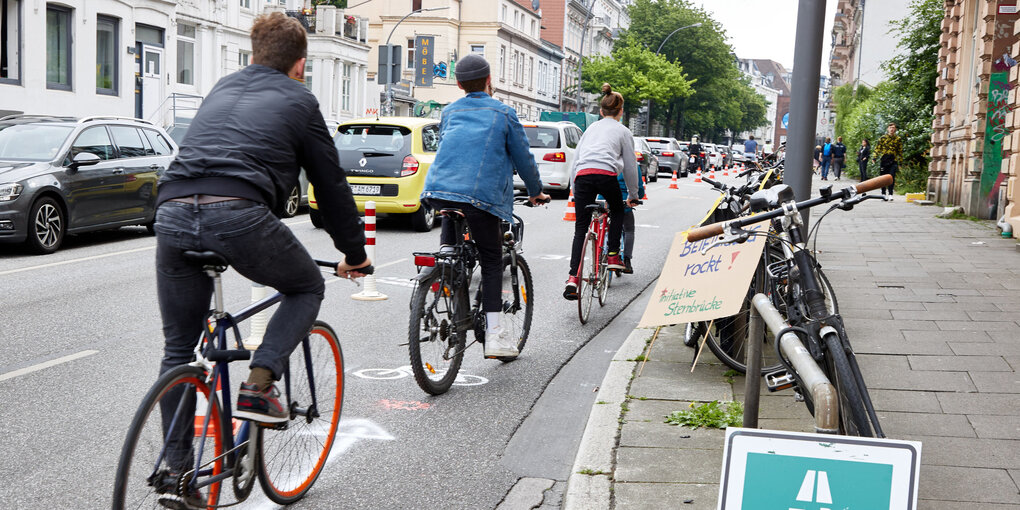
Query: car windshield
(543, 137)
(374, 138)
(32, 142)
(658, 143)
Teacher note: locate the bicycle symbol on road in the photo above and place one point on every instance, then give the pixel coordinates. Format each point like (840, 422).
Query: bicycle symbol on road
(405, 371)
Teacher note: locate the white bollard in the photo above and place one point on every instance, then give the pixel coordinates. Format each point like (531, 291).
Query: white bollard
(370, 292)
(259, 320)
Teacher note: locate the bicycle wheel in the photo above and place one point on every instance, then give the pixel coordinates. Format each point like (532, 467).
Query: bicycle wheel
(435, 346)
(853, 419)
(605, 275)
(149, 477)
(728, 337)
(586, 278)
(517, 318)
(290, 457)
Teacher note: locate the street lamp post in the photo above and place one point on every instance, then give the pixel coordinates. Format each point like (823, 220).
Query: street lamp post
(648, 118)
(389, 57)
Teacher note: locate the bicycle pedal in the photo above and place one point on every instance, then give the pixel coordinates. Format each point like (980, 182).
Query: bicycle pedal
(779, 380)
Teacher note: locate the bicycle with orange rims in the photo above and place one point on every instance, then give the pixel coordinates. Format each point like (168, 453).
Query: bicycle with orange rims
(184, 446)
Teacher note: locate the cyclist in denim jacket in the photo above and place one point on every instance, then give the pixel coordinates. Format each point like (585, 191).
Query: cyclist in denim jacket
(481, 141)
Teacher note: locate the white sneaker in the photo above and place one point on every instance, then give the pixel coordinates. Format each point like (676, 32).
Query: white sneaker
(497, 345)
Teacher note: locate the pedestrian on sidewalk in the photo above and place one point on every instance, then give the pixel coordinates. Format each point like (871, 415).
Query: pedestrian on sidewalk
(888, 153)
(826, 158)
(838, 157)
(818, 158)
(862, 158)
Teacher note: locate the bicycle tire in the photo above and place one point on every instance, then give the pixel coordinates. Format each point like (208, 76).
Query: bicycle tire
(853, 419)
(586, 278)
(289, 460)
(519, 321)
(728, 338)
(605, 275)
(433, 313)
(138, 484)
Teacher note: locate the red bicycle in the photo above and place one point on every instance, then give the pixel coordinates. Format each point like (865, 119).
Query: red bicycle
(593, 274)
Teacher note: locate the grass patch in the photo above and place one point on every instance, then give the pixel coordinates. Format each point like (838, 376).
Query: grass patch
(958, 215)
(730, 374)
(592, 472)
(640, 357)
(710, 415)
(601, 402)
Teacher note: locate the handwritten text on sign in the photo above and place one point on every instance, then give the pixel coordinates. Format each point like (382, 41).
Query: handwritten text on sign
(698, 287)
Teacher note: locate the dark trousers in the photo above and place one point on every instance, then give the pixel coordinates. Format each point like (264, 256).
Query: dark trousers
(259, 247)
(837, 166)
(586, 189)
(862, 166)
(889, 189)
(486, 231)
(826, 161)
(628, 233)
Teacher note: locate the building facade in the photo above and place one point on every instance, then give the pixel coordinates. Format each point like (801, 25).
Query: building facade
(762, 86)
(155, 59)
(846, 42)
(975, 151)
(774, 76)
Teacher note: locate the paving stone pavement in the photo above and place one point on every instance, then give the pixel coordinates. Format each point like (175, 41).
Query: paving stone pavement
(932, 308)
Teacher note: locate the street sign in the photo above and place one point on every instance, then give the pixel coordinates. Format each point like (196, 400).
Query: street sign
(424, 60)
(389, 64)
(698, 287)
(772, 469)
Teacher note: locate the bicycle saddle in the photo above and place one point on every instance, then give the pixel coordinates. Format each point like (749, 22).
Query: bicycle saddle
(595, 207)
(451, 212)
(205, 258)
(771, 198)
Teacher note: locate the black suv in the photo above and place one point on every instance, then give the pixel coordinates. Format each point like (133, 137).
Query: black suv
(62, 175)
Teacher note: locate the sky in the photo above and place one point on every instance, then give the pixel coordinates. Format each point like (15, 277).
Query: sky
(766, 29)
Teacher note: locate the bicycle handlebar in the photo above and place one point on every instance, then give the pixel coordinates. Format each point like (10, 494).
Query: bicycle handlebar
(874, 183)
(526, 201)
(697, 234)
(369, 269)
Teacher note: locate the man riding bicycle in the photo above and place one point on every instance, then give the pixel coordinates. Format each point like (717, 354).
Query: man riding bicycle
(480, 143)
(242, 154)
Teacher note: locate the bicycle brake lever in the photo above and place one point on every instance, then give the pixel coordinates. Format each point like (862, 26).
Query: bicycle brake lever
(739, 236)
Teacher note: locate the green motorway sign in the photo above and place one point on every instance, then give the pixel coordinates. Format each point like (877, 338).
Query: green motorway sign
(802, 483)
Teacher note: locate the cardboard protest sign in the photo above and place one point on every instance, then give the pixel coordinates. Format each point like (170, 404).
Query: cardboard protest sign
(699, 287)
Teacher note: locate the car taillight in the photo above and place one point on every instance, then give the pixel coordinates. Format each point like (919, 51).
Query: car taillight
(424, 260)
(702, 154)
(555, 157)
(668, 154)
(410, 166)
(639, 156)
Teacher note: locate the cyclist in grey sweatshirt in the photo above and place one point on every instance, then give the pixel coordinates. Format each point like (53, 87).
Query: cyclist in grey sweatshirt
(605, 151)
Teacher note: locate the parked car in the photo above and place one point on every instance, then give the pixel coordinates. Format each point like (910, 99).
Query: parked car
(553, 146)
(648, 164)
(669, 154)
(64, 175)
(737, 156)
(713, 154)
(386, 161)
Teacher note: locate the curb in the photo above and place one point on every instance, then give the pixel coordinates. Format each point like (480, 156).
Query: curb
(585, 492)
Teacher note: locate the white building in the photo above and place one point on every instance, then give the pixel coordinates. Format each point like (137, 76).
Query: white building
(156, 59)
(761, 84)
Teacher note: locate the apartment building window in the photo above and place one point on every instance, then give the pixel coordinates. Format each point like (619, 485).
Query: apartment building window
(502, 62)
(517, 15)
(531, 72)
(106, 55)
(532, 28)
(410, 54)
(345, 98)
(415, 5)
(513, 65)
(502, 14)
(10, 41)
(520, 68)
(243, 58)
(478, 49)
(58, 47)
(541, 78)
(246, 4)
(185, 54)
(309, 70)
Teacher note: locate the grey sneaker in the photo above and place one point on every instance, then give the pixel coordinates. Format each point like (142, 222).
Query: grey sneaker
(261, 406)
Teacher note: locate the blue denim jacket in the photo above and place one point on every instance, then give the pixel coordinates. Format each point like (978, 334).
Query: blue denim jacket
(480, 143)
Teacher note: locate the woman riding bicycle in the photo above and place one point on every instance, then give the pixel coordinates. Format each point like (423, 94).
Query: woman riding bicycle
(605, 151)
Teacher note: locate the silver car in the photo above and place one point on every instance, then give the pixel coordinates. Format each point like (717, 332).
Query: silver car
(670, 155)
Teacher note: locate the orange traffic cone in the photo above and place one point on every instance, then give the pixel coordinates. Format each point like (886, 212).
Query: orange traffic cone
(672, 185)
(697, 177)
(711, 172)
(645, 180)
(726, 171)
(569, 214)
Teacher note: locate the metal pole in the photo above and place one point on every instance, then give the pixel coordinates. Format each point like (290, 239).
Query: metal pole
(807, 66)
(752, 381)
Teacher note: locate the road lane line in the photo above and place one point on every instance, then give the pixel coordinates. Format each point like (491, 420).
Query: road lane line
(83, 259)
(46, 364)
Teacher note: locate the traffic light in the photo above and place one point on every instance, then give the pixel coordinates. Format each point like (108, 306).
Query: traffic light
(389, 64)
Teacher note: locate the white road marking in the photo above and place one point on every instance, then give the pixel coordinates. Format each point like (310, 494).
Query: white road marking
(71, 261)
(380, 266)
(46, 364)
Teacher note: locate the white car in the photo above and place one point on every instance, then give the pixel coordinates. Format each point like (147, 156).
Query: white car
(553, 146)
(713, 155)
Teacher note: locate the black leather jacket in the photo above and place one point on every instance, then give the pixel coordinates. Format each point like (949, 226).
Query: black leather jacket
(250, 139)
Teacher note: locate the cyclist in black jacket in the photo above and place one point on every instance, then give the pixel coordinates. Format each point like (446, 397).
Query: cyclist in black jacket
(241, 155)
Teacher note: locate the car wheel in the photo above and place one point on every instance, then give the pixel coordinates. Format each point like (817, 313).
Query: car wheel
(654, 177)
(46, 226)
(290, 208)
(423, 219)
(316, 217)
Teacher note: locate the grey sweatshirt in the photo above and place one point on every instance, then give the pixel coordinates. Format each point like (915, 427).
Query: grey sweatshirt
(608, 145)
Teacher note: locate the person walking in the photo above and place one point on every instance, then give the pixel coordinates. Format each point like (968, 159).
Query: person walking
(838, 157)
(862, 158)
(888, 153)
(751, 149)
(826, 158)
(817, 158)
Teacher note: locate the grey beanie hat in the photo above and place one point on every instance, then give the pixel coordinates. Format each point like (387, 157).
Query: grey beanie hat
(472, 67)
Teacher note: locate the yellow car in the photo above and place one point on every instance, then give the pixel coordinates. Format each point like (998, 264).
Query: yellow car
(386, 160)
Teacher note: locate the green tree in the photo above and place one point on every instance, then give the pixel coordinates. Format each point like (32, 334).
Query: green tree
(637, 74)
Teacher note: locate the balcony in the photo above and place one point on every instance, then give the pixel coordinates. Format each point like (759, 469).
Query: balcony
(328, 20)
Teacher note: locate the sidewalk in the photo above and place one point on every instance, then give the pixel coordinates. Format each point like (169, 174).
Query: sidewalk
(932, 308)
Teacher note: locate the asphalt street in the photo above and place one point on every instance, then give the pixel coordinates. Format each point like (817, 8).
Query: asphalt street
(80, 343)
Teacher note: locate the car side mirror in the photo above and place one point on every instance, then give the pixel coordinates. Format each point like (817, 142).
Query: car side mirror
(84, 159)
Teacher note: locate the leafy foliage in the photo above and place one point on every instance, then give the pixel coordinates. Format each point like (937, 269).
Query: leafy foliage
(710, 415)
(637, 74)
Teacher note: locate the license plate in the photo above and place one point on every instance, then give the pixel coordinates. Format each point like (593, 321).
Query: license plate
(365, 189)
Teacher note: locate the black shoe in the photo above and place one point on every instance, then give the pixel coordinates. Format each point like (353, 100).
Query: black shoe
(570, 292)
(260, 406)
(627, 269)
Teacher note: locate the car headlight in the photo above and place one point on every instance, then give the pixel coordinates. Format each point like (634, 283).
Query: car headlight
(9, 191)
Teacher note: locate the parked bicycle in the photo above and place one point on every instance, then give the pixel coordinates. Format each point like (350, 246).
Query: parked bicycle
(441, 310)
(183, 443)
(811, 341)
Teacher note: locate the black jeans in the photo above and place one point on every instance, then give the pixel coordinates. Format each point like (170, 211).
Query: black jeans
(487, 232)
(259, 247)
(889, 189)
(863, 167)
(586, 188)
(837, 166)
